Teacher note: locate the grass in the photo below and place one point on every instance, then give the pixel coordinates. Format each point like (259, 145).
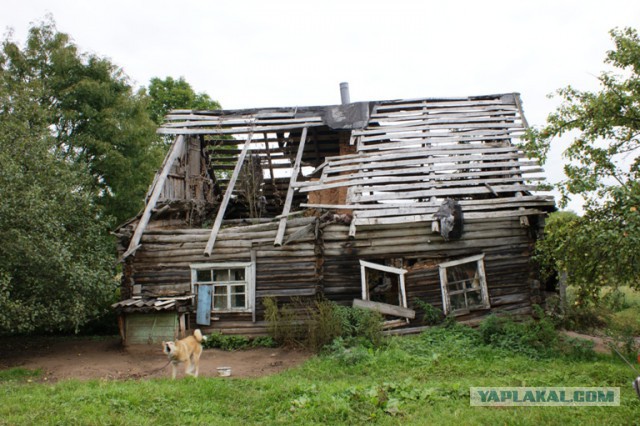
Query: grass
(412, 380)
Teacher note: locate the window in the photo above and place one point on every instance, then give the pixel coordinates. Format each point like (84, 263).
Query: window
(231, 286)
(383, 291)
(464, 285)
(383, 284)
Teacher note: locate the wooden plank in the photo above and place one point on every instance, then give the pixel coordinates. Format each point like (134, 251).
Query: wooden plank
(409, 143)
(426, 103)
(382, 268)
(227, 197)
(396, 183)
(174, 153)
(424, 160)
(422, 151)
(416, 171)
(445, 192)
(428, 122)
(489, 203)
(429, 217)
(385, 308)
(234, 122)
(294, 175)
(453, 131)
(419, 114)
(236, 130)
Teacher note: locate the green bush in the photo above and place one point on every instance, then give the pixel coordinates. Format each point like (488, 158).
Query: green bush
(349, 352)
(233, 342)
(534, 338)
(432, 315)
(315, 323)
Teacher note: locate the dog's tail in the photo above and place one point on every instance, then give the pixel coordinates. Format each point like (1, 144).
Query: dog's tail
(198, 335)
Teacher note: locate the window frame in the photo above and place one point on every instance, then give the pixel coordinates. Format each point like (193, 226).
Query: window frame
(402, 294)
(444, 285)
(249, 282)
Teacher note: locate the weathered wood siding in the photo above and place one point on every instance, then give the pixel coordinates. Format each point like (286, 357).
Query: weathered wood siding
(162, 265)
(151, 328)
(505, 243)
(320, 258)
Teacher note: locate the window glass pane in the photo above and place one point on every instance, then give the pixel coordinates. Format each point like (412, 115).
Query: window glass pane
(220, 297)
(237, 289)
(464, 272)
(458, 301)
(237, 274)
(238, 300)
(221, 275)
(203, 275)
(474, 298)
(456, 286)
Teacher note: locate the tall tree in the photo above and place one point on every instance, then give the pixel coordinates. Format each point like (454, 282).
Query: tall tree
(93, 115)
(603, 167)
(171, 94)
(55, 254)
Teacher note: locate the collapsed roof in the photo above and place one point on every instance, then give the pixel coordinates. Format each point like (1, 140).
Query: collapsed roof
(395, 161)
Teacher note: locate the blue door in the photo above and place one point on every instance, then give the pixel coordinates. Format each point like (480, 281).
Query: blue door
(203, 315)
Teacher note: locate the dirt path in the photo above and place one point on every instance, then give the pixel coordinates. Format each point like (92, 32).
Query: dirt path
(105, 358)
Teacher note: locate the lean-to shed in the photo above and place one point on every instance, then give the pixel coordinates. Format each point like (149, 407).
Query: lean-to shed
(381, 204)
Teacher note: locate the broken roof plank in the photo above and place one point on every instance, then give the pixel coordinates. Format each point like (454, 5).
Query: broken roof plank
(439, 192)
(429, 217)
(424, 178)
(287, 204)
(432, 168)
(174, 153)
(227, 196)
(489, 203)
(235, 130)
(232, 123)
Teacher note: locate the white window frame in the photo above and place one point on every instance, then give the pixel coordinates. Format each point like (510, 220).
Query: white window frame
(484, 292)
(402, 294)
(249, 276)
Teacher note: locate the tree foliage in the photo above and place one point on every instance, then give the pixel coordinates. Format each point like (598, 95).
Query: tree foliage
(603, 167)
(78, 150)
(93, 115)
(171, 94)
(55, 263)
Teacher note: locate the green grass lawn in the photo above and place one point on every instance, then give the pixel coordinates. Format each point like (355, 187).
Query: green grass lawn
(417, 380)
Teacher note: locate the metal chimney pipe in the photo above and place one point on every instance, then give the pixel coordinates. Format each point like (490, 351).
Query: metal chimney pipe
(344, 93)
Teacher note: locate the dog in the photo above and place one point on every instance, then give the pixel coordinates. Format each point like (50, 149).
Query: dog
(185, 350)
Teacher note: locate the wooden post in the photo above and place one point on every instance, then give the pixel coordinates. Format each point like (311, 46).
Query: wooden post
(292, 181)
(227, 197)
(182, 329)
(252, 283)
(176, 151)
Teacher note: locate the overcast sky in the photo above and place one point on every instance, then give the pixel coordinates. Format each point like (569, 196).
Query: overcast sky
(286, 53)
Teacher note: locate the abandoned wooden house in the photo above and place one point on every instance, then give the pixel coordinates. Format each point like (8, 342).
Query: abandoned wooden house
(386, 205)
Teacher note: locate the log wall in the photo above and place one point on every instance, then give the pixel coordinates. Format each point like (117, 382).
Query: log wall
(506, 244)
(161, 265)
(320, 258)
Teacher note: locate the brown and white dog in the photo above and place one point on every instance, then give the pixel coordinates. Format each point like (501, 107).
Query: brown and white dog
(186, 350)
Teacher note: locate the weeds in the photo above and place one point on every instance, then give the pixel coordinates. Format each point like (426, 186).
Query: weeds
(431, 314)
(315, 323)
(232, 342)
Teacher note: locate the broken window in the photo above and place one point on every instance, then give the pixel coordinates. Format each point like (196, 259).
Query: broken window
(383, 290)
(464, 285)
(222, 287)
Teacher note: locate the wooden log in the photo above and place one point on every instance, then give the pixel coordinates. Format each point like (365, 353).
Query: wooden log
(227, 196)
(294, 175)
(176, 150)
